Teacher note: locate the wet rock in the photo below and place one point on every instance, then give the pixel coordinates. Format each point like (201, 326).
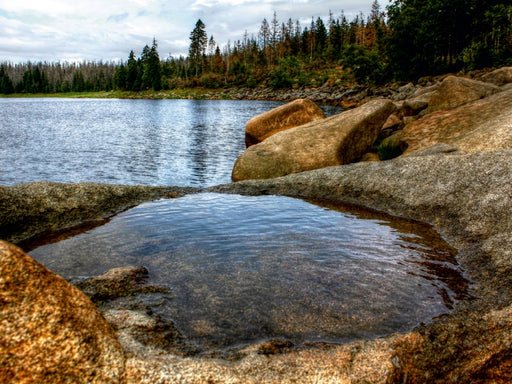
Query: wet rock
(131, 305)
(455, 91)
(51, 332)
(294, 114)
(336, 140)
(27, 209)
(141, 332)
(481, 125)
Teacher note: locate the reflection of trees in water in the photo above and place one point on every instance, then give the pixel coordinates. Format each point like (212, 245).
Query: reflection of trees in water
(200, 131)
(143, 152)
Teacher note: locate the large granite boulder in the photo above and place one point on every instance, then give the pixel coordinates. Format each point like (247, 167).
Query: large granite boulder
(336, 140)
(484, 124)
(51, 332)
(291, 115)
(455, 91)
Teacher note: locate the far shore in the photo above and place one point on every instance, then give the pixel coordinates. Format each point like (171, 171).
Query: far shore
(183, 93)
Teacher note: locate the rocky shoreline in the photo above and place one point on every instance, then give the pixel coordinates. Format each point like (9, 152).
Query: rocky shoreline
(446, 180)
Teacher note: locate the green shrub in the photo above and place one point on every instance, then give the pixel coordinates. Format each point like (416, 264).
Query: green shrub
(391, 147)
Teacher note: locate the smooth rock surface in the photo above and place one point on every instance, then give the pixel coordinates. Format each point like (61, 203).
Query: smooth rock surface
(51, 332)
(118, 282)
(290, 115)
(129, 303)
(45, 206)
(336, 140)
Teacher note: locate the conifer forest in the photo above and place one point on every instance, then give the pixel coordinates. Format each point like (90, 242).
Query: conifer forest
(403, 41)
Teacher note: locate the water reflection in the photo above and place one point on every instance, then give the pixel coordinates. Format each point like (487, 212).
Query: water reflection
(248, 268)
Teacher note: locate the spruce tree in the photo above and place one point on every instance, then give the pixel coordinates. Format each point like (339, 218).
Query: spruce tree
(197, 50)
(132, 71)
(152, 74)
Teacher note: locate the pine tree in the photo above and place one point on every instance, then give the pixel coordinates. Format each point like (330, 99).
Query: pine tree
(197, 49)
(152, 74)
(132, 71)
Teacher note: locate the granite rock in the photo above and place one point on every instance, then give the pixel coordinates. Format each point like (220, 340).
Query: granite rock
(467, 198)
(477, 126)
(290, 115)
(339, 139)
(46, 206)
(499, 76)
(455, 91)
(51, 332)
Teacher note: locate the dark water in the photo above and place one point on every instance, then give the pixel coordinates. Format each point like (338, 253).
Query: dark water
(248, 268)
(148, 142)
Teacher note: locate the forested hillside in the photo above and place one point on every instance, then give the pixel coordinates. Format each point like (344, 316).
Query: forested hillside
(405, 41)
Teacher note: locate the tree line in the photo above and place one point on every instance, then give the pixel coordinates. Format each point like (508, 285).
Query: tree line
(410, 39)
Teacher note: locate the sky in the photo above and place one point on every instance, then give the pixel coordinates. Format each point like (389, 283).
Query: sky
(94, 30)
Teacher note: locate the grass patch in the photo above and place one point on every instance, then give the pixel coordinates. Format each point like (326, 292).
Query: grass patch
(181, 93)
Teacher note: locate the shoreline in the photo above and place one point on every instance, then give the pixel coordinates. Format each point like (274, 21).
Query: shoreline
(344, 96)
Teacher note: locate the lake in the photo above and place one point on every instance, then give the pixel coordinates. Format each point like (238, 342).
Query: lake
(241, 269)
(147, 142)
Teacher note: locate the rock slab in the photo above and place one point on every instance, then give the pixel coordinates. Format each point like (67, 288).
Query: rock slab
(51, 332)
(27, 209)
(481, 125)
(456, 91)
(291, 115)
(336, 140)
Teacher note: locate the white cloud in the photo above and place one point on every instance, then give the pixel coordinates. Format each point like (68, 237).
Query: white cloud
(58, 30)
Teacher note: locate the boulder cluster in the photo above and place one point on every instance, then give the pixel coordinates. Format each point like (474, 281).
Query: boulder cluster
(450, 150)
(461, 113)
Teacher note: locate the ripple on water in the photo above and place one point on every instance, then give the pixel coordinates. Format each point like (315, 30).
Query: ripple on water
(249, 268)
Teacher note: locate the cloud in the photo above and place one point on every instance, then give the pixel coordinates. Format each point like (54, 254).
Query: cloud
(118, 18)
(59, 30)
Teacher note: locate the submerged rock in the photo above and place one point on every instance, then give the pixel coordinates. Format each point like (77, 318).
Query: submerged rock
(336, 140)
(119, 282)
(291, 115)
(51, 332)
(130, 303)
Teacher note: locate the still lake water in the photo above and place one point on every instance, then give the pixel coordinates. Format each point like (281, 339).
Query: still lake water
(147, 142)
(241, 268)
